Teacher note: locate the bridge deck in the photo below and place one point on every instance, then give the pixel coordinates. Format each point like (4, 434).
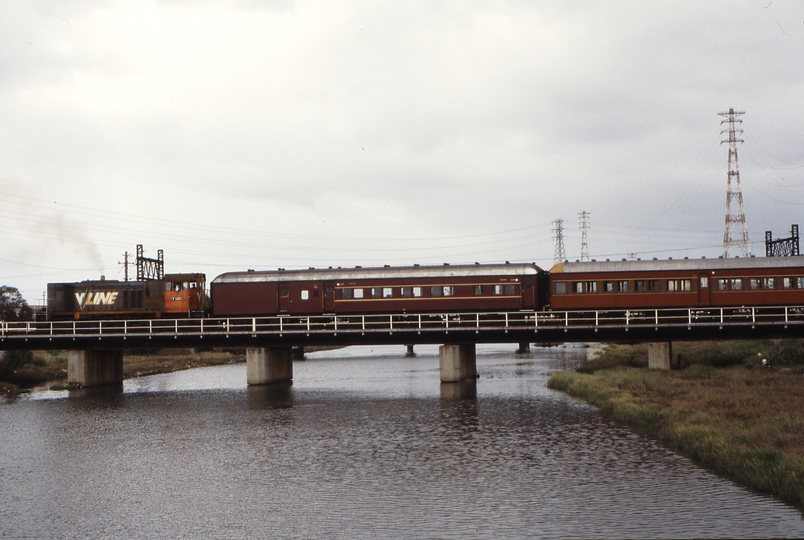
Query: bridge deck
(502, 327)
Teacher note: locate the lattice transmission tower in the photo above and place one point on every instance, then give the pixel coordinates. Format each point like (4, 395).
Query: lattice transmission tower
(735, 234)
(583, 218)
(559, 255)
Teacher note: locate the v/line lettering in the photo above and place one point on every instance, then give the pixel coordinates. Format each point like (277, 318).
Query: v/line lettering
(88, 298)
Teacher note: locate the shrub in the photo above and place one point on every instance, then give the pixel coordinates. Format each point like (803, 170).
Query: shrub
(11, 361)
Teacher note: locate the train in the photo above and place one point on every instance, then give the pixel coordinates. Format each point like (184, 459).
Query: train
(175, 295)
(587, 285)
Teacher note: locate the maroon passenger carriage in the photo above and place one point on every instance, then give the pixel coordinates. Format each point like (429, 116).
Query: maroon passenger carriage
(411, 289)
(679, 283)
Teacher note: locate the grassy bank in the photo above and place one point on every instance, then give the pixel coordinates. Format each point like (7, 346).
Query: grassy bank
(33, 369)
(169, 360)
(744, 422)
(776, 352)
(51, 366)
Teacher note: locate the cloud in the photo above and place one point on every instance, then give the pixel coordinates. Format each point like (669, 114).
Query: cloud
(244, 133)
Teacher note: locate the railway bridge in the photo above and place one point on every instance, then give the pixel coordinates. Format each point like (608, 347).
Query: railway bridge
(96, 347)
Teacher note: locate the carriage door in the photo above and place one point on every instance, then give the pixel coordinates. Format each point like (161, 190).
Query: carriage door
(284, 298)
(329, 297)
(528, 293)
(703, 289)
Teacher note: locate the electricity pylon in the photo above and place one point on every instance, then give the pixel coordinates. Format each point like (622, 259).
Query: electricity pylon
(583, 218)
(559, 255)
(734, 221)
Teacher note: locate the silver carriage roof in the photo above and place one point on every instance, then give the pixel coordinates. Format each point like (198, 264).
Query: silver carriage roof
(384, 272)
(679, 264)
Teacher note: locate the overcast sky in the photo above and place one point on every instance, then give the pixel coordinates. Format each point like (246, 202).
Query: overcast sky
(250, 134)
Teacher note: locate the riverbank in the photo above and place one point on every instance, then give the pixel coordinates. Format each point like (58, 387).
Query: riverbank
(51, 366)
(744, 422)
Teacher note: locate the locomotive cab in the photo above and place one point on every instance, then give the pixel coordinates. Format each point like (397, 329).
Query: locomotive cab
(185, 294)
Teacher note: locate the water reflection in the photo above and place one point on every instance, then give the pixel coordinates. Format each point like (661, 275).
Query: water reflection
(363, 444)
(270, 396)
(103, 390)
(459, 390)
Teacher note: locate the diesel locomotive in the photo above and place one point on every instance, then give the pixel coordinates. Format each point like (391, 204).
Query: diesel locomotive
(177, 295)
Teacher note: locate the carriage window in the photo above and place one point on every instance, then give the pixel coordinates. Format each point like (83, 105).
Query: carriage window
(448, 291)
(653, 285)
(672, 285)
(387, 292)
(417, 292)
(769, 283)
(478, 290)
(754, 283)
(577, 287)
(283, 291)
(193, 285)
(435, 291)
(800, 282)
(608, 286)
(622, 286)
(498, 289)
(561, 288)
(787, 283)
(376, 292)
(510, 289)
(704, 282)
(305, 295)
(407, 292)
(347, 293)
(639, 286)
(721, 284)
(358, 293)
(168, 286)
(736, 284)
(686, 284)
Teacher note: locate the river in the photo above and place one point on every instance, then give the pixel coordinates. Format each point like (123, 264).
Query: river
(364, 444)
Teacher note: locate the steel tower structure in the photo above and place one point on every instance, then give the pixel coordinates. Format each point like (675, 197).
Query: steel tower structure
(735, 234)
(559, 255)
(583, 218)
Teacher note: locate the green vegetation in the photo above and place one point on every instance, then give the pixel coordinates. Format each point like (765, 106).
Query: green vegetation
(749, 354)
(744, 421)
(13, 306)
(23, 369)
(169, 360)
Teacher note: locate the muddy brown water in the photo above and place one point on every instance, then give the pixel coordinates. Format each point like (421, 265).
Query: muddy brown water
(365, 443)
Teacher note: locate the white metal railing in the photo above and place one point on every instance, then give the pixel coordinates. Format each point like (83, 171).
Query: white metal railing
(418, 322)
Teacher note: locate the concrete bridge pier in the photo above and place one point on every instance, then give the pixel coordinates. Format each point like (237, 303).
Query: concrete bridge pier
(94, 367)
(267, 365)
(659, 355)
(524, 348)
(457, 362)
